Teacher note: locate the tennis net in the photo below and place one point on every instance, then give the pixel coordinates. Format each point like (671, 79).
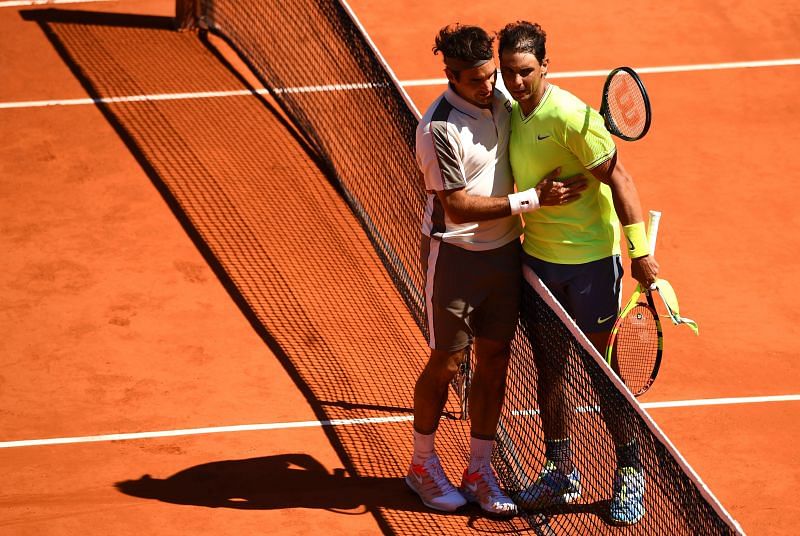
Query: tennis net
(322, 69)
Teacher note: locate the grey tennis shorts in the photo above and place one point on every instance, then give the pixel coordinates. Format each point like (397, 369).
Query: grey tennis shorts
(470, 293)
(589, 292)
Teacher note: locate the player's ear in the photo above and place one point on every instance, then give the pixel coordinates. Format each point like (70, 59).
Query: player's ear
(452, 75)
(545, 63)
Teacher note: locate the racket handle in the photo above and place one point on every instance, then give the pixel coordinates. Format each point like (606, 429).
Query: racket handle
(652, 229)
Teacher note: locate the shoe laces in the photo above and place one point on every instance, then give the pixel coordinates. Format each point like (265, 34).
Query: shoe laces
(434, 469)
(490, 480)
(555, 480)
(625, 481)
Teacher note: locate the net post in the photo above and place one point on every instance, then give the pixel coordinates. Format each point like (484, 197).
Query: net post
(187, 15)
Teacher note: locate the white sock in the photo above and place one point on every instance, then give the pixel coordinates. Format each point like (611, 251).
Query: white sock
(423, 447)
(480, 453)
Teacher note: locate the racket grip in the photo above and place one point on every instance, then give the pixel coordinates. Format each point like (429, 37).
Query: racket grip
(652, 229)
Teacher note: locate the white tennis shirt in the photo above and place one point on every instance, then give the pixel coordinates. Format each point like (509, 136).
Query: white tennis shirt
(460, 145)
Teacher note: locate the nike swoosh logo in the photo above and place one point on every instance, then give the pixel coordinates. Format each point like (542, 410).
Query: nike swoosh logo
(630, 244)
(472, 487)
(417, 476)
(604, 320)
(540, 137)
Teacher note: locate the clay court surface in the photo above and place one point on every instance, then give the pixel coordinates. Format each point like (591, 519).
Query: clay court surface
(132, 373)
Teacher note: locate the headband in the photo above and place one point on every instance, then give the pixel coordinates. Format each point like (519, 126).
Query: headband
(457, 64)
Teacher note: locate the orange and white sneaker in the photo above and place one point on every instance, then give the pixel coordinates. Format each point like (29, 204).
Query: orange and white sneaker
(482, 487)
(431, 484)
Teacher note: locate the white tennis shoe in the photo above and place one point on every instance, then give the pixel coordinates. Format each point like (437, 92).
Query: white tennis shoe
(481, 487)
(431, 484)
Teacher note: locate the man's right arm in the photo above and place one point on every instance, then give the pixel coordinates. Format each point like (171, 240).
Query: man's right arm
(438, 156)
(462, 207)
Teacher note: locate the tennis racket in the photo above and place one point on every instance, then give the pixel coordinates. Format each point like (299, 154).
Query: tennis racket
(636, 343)
(462, 382)
(625, 106)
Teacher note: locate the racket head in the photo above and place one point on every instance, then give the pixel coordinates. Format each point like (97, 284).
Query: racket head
(625, 105)
(636, 344)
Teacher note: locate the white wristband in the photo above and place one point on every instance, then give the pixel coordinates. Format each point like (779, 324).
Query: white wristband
(525, 201)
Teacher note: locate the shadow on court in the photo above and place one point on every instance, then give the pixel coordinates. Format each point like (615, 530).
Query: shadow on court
(264, 208)
(273, 482)
(259, 203)
(300, 481)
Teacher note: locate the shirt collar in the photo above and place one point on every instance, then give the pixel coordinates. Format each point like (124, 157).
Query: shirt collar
(467, 107)
(545, 96)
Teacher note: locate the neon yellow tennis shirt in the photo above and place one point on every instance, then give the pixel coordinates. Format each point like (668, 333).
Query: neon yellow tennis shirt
(564, 132)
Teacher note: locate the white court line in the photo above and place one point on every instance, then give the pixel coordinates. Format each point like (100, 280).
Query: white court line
(683, 403)
(202, 431)
(406, 83)
(640, 70)
(351, 422)
(24, 3)
(334, 87)
(721, 401)
(131, 98)
(183, 96)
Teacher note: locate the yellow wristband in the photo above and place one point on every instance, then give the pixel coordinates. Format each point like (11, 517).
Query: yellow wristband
(637, 240)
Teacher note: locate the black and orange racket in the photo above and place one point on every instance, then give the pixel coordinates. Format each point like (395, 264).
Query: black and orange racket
(636, 344)
(625, 106)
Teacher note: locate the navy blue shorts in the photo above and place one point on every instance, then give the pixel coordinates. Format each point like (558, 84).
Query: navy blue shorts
(589, 292)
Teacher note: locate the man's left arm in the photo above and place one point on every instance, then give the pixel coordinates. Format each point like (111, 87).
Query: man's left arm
(644, 267)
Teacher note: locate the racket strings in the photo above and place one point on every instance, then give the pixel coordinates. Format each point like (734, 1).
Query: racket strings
(627, 108)
(636, 347)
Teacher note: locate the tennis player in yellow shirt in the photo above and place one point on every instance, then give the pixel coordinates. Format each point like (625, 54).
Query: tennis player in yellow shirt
(574, 249)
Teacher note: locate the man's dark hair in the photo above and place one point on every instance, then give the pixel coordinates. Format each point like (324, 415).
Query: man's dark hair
(470, 44)
(523, 36)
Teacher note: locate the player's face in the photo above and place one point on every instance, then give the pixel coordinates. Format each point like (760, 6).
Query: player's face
(523, 76)
(475, 85)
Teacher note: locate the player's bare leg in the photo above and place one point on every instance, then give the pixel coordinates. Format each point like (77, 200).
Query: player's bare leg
(431, 389)
(425, 474)
(559, 481)
(479, 483)
(627, 502)
(488, 386)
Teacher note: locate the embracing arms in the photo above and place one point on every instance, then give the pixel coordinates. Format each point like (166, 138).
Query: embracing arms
(462, 207)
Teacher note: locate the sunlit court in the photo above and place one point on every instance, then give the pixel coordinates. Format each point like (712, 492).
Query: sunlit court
(212, 307)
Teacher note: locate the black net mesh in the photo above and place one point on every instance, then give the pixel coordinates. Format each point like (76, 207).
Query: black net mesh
(321, 70)
(316, 237)
(320, 67)
(547, 352)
